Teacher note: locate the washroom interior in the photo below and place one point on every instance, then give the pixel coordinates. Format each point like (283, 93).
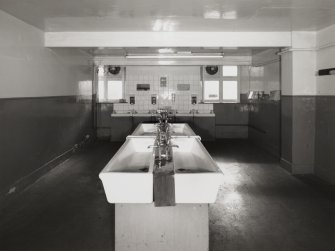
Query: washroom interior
(251, 112)
(249, 109)
(253, 79)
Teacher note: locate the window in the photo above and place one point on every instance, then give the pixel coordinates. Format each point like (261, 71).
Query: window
(225, 86)
(211, 90)
(229, 90)
(230, 86)
(109, 88)
(115, 90)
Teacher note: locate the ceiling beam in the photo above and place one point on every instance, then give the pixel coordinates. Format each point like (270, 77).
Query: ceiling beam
(167, 39)
(226, 60)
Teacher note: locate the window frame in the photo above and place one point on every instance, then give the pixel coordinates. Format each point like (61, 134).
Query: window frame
(231, 78)
(105, 78)
(203, 92)
(107, 89)
(222, 78)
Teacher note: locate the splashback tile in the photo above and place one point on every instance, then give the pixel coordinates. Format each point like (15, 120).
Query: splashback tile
(175, 75)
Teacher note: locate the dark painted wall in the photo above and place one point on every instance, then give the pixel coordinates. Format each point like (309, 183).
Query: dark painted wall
(303, 150)
(325, 138)
(104, 120)
(264, 125)
(286, 131)
(298, 133)
(104, 114)
(34, 131)
(231, 120)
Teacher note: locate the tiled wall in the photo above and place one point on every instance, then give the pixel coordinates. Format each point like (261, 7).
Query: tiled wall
(175, 75)
(264, 114)
(325, 109)
(45, 103)
(232, 119)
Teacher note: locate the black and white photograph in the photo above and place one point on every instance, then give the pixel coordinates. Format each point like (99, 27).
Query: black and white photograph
(167, 125)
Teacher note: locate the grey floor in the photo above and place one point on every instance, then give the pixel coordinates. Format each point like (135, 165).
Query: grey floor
(259, 206)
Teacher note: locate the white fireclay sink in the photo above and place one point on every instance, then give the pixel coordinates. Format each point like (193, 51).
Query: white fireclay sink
(128, 176)
(197, 176)
(177, 130)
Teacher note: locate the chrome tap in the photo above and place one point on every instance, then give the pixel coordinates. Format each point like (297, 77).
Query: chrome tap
(163, 143)
(158, 146)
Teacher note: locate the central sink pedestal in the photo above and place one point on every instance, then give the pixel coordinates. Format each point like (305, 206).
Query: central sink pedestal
(161, 196)
(144, 227)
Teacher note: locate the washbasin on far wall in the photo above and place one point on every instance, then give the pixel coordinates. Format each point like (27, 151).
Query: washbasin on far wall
(128, 176)
(177, 130)
(197, 176)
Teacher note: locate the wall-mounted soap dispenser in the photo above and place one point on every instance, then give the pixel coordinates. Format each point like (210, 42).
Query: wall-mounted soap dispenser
(132, 100)
(194, 100)
(154, 99)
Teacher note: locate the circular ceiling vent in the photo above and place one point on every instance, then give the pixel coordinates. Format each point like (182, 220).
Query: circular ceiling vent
(212, 69)
(114, 69)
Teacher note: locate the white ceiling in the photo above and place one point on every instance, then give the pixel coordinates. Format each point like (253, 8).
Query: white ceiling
(173, 15)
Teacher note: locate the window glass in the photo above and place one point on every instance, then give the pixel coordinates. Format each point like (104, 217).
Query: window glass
(229, 90)
(211, 90)
(115, 90)
(229, 71)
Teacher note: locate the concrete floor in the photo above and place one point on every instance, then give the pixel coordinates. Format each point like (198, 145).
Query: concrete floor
(259, 206)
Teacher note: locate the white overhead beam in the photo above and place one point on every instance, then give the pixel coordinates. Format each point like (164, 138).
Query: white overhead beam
(167, 39)
(227, 60)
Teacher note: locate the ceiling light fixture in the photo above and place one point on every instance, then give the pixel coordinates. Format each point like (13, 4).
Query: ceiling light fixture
(192, 56)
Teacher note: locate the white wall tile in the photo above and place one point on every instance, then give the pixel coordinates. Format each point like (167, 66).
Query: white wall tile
(175, 75)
